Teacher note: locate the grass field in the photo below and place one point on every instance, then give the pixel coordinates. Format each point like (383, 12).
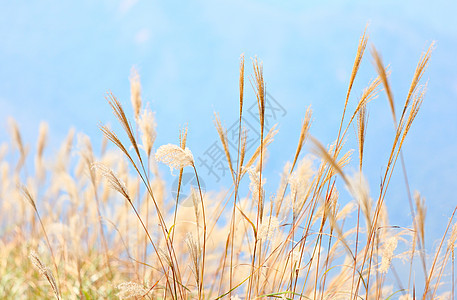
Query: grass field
(86, 225)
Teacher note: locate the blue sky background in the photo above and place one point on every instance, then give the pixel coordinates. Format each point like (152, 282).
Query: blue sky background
(58, 59)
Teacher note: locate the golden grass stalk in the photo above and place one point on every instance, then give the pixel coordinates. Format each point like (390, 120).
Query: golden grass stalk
(362, 120)
(241, 83)
(45, 272)
(368, 94)
(122, 118)
(120, 115)
(241, 151)
(28, 196)
(355, 68)
(259, 87)
(182, 144)
(113, 180)
(401, 130)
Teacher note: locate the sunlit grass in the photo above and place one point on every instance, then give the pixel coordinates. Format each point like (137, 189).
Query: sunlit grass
(77, 225)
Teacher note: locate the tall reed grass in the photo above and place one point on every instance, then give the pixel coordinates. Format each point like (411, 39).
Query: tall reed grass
(81, 225)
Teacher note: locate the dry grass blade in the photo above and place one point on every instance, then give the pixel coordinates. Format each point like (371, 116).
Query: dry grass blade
(241, 83)
(110, 135)
(113, 180)
(28, 197)
(17, 139)
(420, 214)
(223, 137)
(415, 106)
(383, 75)
(320, 151)
(369, 93)
(135, 92)
(362, 120)
(260, 91)
(303, 134)
(122, 118)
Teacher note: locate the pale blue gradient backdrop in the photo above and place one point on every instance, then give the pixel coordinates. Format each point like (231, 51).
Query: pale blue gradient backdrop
(57, 61)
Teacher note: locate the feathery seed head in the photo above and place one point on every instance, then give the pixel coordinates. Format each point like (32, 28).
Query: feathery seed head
(147, 125)
(174, 156)
(358, 187)
(387, 254)
(37, 262)
(268, 228)
(16, 135)
(194, 251)
(113, 180)
(453, 238)
(420, 214)
(130, 290)
(254, 177)
(44, 271)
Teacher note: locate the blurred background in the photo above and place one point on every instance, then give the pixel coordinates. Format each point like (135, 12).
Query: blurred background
(59, 59)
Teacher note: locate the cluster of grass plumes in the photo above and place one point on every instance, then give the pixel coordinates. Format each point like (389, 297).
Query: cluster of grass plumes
(97, 226)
